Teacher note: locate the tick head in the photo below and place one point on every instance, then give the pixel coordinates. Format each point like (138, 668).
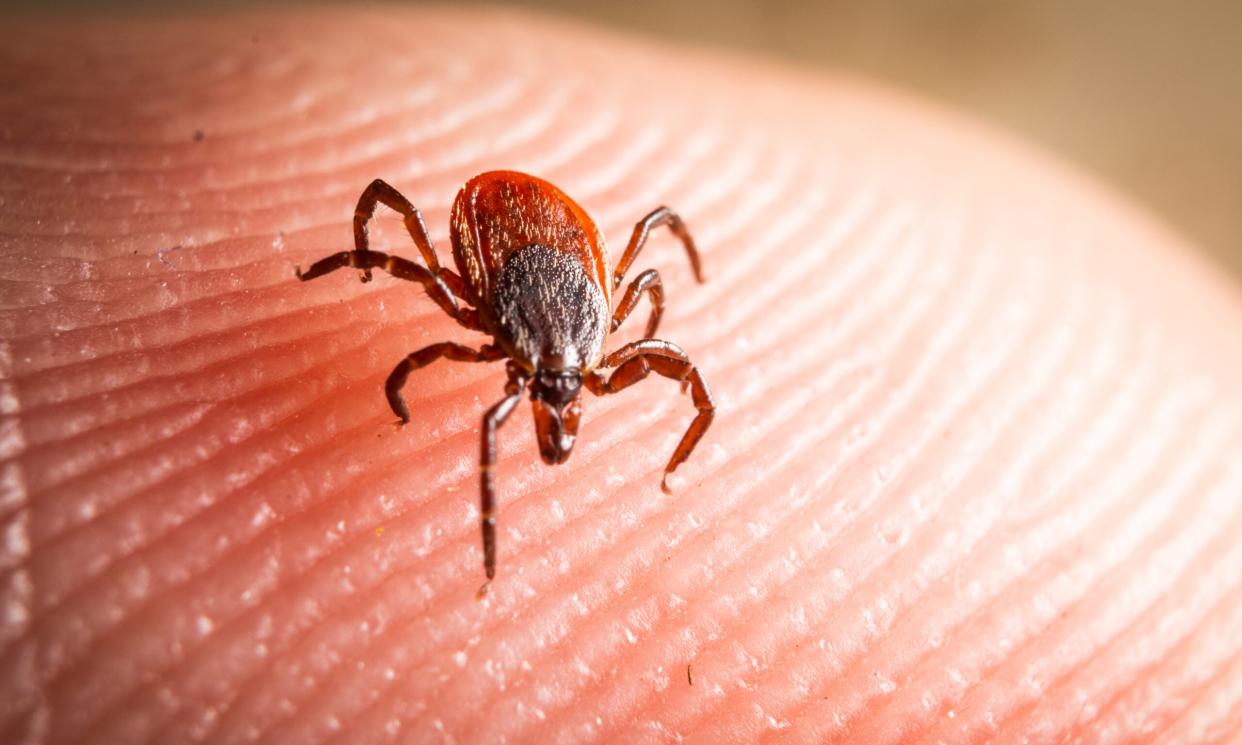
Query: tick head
(556, 406)
(556, 387)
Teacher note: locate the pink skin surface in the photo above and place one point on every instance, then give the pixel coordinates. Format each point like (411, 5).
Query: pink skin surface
(975, 474)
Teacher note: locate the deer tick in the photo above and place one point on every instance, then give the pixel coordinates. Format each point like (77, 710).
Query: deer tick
(534, 266)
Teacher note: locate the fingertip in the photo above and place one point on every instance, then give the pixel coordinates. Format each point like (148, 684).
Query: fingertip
(834, 458)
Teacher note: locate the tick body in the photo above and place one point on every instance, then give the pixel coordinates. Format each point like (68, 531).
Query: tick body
(532, 272)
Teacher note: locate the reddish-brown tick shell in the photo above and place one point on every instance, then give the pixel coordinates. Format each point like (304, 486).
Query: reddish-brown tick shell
(499, 212)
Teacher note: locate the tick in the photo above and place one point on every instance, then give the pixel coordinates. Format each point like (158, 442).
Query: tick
(534, 267)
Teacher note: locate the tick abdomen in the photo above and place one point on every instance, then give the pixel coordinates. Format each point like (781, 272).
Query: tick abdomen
(550, 308)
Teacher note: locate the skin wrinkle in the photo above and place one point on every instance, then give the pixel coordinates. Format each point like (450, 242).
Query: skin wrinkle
(955, 628)
(1104, 519)
(970, 559)
(338, 169)
(851, 526)
(165, 422)
(861, 586)
(205, 247)
(135, 392)
(260, 476)
(253, 296)
(272, 135)
(640, 542)
(1009, 588)
(1180, 665)
(255, 392)
(1219, 606)
(1042, 511)
(1093, 658)
(110, 410)
(1076, 606)
(1225, 728)
(110, 516)
(87, 338)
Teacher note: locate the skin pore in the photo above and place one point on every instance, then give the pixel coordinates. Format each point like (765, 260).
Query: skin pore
(973, 474)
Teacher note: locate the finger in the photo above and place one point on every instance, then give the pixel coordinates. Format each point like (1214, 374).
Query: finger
(973, 472)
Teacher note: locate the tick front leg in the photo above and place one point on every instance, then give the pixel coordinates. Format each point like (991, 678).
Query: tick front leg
(634, 362)
(492, 420)
(379, 191)
(424, 357)
(435, 285)
(649, 282)
(638, 239)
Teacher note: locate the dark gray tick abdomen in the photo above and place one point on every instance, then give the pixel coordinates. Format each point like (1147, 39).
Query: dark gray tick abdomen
(555, 315)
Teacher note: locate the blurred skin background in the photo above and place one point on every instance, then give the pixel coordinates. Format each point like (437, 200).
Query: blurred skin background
(1145, 94)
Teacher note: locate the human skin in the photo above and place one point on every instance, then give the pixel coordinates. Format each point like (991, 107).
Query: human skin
(974, 474)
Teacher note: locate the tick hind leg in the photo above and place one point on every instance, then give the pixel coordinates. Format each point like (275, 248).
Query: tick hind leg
(424, 357)
(656, 218)
(636, 361)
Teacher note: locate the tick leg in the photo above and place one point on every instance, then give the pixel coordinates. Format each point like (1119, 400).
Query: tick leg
(634, 362)
(426, 356)
(379, 191)
(435, 284)
(659, 216)
(492, 420)
(649, 282)
(398, 267)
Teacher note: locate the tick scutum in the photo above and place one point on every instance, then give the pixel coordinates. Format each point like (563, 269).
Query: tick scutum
(554, 315)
